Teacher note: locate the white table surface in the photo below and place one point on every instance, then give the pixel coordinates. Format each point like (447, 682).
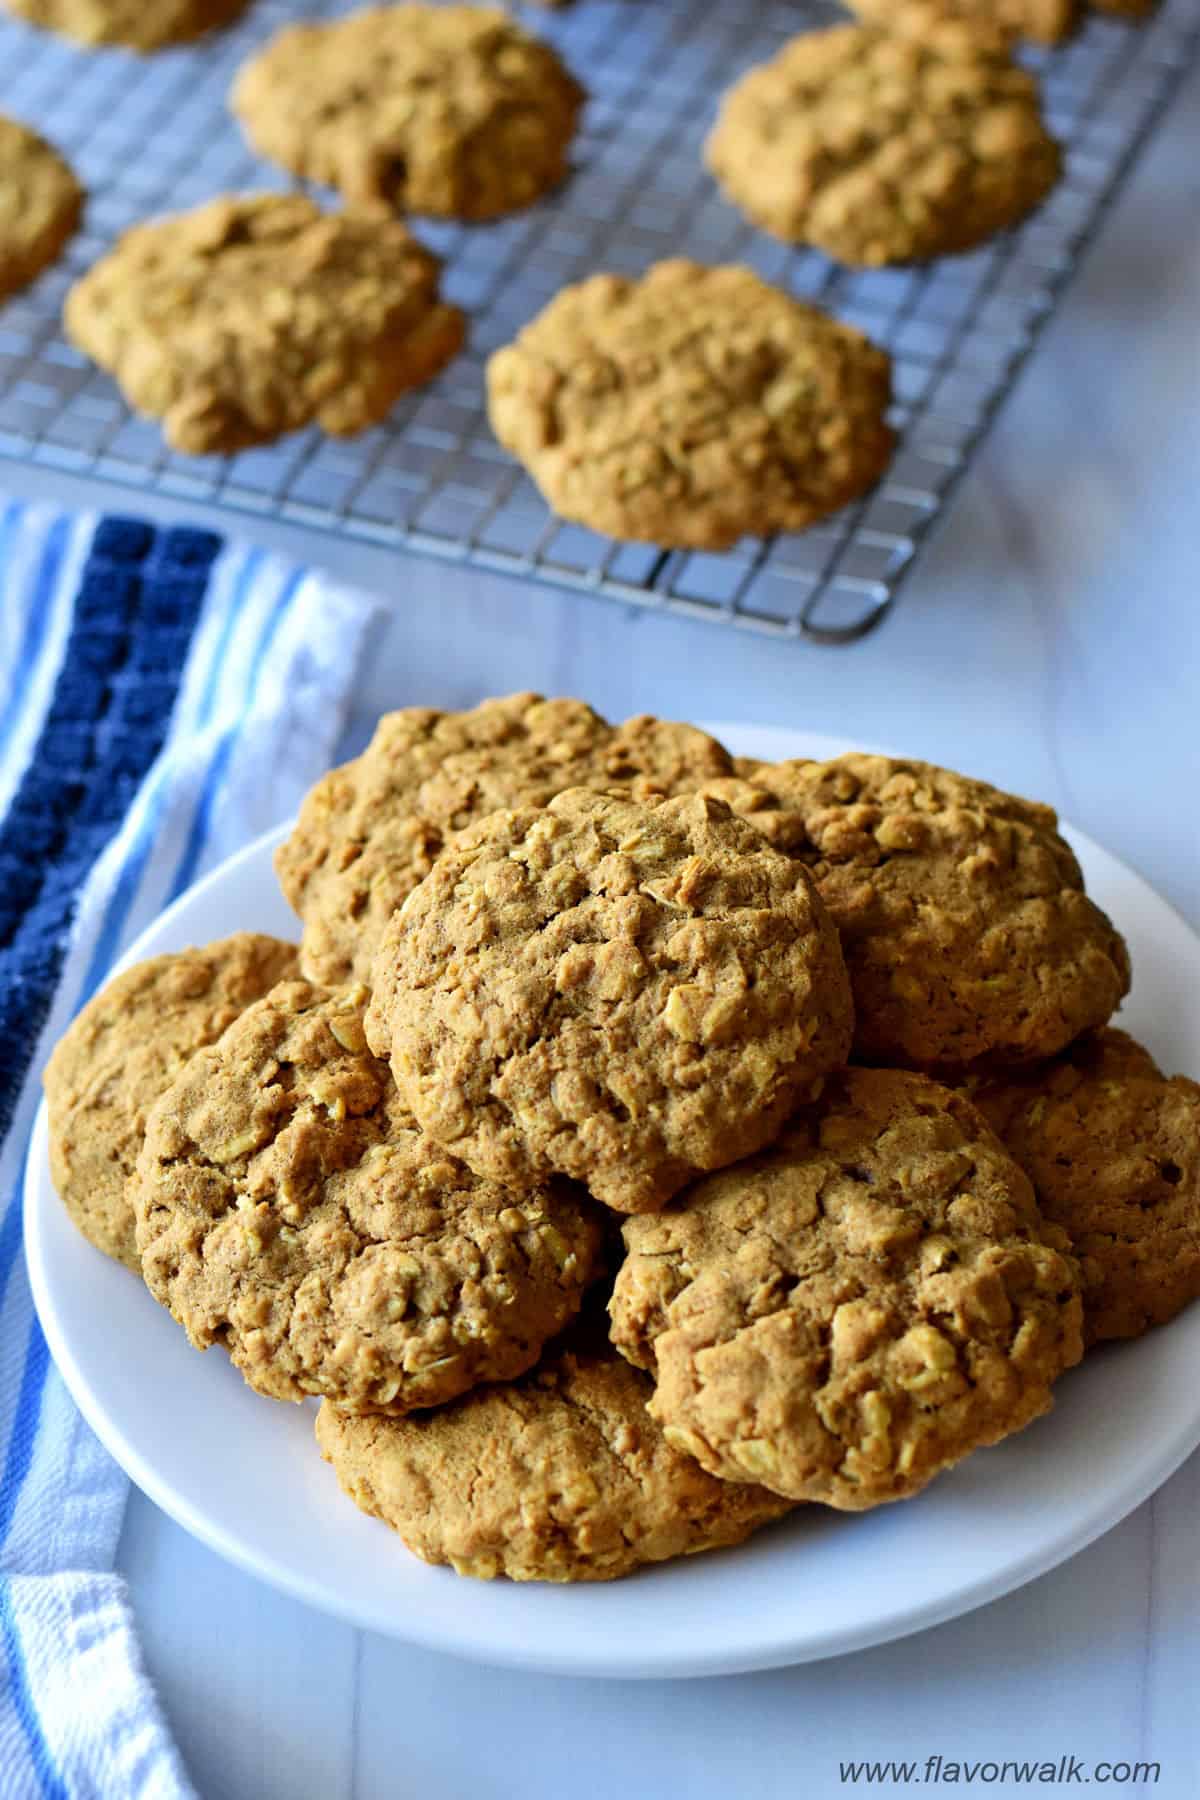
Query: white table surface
(1050, 640)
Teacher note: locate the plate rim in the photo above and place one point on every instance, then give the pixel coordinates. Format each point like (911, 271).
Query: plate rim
(778, 1649)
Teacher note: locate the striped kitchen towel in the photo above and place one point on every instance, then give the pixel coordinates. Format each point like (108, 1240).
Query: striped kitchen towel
(163, 699)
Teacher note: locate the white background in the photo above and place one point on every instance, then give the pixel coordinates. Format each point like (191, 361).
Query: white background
(1050, 641)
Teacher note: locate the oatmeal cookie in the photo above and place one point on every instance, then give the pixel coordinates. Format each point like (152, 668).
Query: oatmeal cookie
(857, 1308)
(759, 793)
(622, 993)
(1044, 21)
(561, 1477)
(1113, 1150)
(886, 146)
(288, 1207)
(135, 24)
(255, 315)
(122, 1051)
(40, 204)
(368, 832)
(448, 110)
(691, 407)
(963, 919)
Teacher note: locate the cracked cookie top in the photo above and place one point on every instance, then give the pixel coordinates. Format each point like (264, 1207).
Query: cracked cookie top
(562, 1476)
(135, 24)
(1113, 1150)
(254, 315)
(691, 406)
(448, 110)
(884, 146)
(370, 831)
(119, 1054)
(40, 204)
(288, 1207)
(624, 993)
(962, 913)
(857, 1308)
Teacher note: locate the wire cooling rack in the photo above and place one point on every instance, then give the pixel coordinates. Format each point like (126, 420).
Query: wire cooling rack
(153, 134)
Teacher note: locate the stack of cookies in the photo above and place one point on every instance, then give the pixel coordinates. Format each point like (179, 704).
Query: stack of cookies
(640, 1144)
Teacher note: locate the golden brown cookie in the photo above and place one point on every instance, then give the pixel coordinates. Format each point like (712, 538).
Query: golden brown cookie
(691, 407)
(40, 204)
(622, 993)
(136, 24)
(255, 315)
(368, 832)
(120, 1054)
(288, 1208)
(857, 1308)
(1113, 1150)
(1045, 21)
(561, 1477)
(964, 923)
(450, 110)
(886, 145)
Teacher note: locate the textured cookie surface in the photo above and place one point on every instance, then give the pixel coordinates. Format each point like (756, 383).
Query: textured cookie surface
(857, 1308)
(691, 406)
(880, 146)
(623, 993)
(288, 1208)
(255, 315)
(368, 832)
(562, 1476)
(1113, 1150)
(1045, 21)
(121, 1053)
(450, 110)
(137, 24)
(963, 918)
(40, 203)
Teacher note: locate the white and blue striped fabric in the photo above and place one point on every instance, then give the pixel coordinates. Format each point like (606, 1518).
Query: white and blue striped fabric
(163, 699)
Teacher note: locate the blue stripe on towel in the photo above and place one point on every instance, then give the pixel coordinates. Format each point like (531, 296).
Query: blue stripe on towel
(132, 619)
(138, 602)
(122, 899)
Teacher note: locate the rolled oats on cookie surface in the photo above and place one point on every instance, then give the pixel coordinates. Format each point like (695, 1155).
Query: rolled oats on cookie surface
(371, 830)
(624, 993)
(856, 1308)
(893, 143)
(1112, 1147)
(561, 1476)
(963, 918)
(119, 1055)
(692, 406)
(256, 314)
(289, 1208)
(453, 111)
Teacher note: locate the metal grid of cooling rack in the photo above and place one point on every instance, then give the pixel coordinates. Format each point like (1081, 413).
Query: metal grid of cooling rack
(149, 135)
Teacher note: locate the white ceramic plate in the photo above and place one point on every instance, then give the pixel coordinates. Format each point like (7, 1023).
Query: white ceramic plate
(243, 1474)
